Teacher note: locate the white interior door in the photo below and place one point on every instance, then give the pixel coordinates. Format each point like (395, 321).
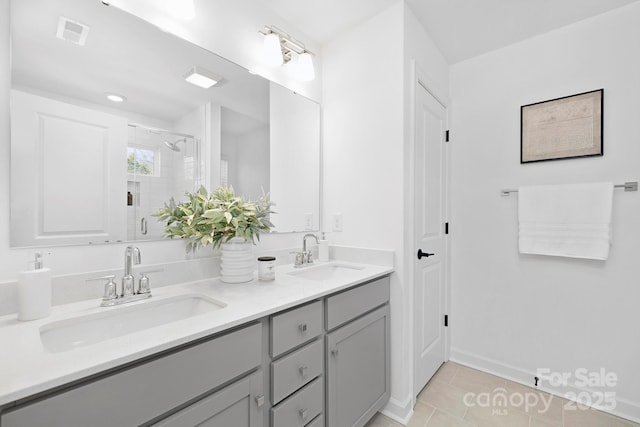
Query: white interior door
(429, 269)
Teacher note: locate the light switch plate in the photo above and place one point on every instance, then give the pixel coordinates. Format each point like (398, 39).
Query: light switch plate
(337, 222)
(308, 221)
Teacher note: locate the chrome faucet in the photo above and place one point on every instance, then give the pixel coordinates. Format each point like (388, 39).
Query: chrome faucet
(305, 257)
(129, 294)
(131, 256)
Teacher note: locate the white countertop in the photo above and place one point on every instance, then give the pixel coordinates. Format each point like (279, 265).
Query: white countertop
(27, 368)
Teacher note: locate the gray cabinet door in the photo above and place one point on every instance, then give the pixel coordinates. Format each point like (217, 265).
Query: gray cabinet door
(239, 405)
(144, 392)
(358, 369)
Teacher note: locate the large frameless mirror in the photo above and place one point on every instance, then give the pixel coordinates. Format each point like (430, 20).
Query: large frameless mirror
(105, 128)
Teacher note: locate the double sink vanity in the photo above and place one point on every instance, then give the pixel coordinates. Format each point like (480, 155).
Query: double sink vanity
(310, 348)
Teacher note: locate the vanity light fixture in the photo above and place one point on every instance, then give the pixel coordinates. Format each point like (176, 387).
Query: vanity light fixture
(114, 97)
(272, 50)
(202, 77)
(182, 9)
(279, 48)
(305, 69)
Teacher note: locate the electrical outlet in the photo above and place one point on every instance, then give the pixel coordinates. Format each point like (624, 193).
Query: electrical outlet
(337, 222)
(308, 221)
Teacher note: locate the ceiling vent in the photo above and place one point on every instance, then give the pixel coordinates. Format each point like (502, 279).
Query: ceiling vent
(72, 31)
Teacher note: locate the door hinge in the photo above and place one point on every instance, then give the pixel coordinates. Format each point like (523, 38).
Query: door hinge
(446, 228)
(446, 320)
(446, 136)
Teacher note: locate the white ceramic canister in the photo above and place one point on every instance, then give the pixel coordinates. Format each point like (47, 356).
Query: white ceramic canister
(266, 268)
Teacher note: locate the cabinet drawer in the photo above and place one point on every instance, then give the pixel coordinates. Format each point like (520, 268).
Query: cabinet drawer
(295, 370)
(295, 327)
(300, 408)
(318, 422)
(350, 304)
(140, 393)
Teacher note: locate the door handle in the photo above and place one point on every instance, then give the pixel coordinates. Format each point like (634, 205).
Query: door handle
(143, 226)
(423, 254)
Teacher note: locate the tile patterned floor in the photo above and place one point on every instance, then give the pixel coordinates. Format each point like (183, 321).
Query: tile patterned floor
(442, 404)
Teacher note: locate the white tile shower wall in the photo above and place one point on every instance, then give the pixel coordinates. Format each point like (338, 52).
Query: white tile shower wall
(513, 314)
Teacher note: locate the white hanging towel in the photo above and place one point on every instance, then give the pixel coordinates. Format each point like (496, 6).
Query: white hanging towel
(566, 220)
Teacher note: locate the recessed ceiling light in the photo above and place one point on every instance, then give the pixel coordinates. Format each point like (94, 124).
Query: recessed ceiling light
(114, 97)
(202, 77)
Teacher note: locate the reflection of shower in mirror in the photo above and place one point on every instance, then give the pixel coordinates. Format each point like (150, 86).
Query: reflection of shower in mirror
(155, 175)
(174, 145)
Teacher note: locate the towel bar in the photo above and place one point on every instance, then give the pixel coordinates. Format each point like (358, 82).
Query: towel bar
(628, 186)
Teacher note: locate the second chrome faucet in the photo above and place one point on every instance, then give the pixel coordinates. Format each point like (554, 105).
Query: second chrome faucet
(305, 257)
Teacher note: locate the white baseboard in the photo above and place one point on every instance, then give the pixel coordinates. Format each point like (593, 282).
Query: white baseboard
(399, 411)
(624, 408)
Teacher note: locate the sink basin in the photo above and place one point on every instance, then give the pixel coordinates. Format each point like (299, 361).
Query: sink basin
(324, 271)
(80, 331)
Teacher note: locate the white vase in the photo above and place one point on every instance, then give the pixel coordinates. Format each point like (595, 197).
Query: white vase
(237, 263)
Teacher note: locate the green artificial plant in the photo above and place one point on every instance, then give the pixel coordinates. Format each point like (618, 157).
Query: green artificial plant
(215, 218)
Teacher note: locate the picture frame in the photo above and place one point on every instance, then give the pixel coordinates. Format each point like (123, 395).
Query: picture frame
(563, 128)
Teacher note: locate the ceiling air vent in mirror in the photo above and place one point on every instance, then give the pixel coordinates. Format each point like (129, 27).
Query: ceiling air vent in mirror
(72, 31)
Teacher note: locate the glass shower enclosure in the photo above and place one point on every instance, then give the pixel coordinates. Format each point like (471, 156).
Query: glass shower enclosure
(160, 165)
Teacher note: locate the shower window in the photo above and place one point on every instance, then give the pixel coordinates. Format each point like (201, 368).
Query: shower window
(141, 161)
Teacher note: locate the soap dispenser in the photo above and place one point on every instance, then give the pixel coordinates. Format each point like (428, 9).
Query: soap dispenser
(323, 249)
(34, 291)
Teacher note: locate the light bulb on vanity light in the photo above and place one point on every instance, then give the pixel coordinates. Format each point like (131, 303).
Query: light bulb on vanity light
(305, 69)
(272, 50)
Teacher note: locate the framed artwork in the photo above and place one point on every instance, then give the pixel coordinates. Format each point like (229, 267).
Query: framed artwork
(562, 128)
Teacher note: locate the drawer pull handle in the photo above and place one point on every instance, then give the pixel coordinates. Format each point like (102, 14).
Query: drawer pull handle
(303, 370)
(260, 401)
(303, 414)
(302, 327)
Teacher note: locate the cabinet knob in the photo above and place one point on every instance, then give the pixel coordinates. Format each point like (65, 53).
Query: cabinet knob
(303, 370)
(302, 327)
(334, 352)
(303, 414)
(260, 401)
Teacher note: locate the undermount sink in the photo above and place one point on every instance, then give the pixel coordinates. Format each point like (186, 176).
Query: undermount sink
(324, 271)
(80, 331)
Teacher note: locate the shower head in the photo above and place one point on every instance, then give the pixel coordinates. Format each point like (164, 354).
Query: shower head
(174, 145)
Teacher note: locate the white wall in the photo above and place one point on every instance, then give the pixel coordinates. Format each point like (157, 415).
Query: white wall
(362, 154)
(513, 313)
(5, 141)
(366, 127)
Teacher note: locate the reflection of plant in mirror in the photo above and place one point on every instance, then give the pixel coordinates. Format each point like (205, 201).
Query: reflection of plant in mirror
(212, 219)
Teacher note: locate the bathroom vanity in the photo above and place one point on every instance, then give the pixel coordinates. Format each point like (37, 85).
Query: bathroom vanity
(309, 349)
